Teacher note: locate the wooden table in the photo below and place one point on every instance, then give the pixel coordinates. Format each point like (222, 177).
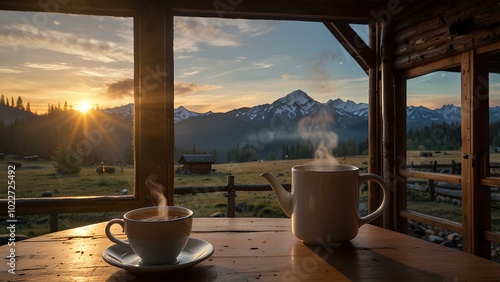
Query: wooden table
(254, 249)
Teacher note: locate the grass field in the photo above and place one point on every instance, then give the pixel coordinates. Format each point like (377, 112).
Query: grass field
(34, 178)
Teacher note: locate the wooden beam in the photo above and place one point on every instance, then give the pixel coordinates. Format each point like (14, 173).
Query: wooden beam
(154, 114)
(432, 220)
(352, 42)
(359, 11)
(389, 120)
(374, 126)
(400, 200)
(91, 7)
(476, 199)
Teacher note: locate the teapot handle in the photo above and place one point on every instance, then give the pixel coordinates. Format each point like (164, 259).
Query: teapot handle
(364, 177)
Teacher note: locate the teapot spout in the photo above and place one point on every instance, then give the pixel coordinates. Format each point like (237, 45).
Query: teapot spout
(285, 198)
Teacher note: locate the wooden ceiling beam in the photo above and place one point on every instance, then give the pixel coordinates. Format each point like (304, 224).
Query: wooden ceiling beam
(352, 42)
(279, 9)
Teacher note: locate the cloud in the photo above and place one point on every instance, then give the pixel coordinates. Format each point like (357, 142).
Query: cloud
(192, 71)
(32, 38)
(262, 65)
(183, 88)
(54, 66)
(191, 32)
(9, 70)
(121, 89)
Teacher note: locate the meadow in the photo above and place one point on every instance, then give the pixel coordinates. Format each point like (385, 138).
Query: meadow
(36, 177)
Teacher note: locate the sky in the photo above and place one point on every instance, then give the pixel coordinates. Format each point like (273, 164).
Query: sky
(219, 64)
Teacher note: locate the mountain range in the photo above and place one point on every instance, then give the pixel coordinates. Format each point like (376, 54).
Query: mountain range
(268, 126)
(298, 104)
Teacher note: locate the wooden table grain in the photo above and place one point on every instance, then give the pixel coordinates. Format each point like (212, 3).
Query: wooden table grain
(261, 249)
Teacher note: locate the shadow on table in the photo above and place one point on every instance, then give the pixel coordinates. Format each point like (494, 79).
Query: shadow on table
(360, 264)
(197, 273)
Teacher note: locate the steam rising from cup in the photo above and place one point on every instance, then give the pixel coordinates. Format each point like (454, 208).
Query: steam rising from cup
(317, 130)
(157, 191)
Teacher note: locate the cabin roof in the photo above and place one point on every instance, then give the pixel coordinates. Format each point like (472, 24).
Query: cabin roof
(197, 159)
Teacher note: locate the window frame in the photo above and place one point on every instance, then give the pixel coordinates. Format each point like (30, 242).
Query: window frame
(144, 98)
(476, 207)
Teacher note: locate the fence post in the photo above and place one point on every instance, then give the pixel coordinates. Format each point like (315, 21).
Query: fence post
(430, 188)
(54, 222)
(434, 166)
(231, 196)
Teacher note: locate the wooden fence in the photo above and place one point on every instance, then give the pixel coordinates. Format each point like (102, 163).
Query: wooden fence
(436, 188)
(230, 193)
(433, 188)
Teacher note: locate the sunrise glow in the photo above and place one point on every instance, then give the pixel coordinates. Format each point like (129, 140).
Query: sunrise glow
(83, 107)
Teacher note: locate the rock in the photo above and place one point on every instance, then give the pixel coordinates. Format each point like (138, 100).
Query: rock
(435, 239)
(450, 244)
(453, 236)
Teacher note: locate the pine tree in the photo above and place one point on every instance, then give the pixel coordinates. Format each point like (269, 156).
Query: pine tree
(67, 159)
(19, 103)
(2, 100)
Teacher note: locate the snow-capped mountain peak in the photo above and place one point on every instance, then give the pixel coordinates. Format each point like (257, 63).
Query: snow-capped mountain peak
(297, 97)
(125, 110)
(181, 113)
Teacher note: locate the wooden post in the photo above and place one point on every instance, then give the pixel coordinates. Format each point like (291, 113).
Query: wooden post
(54, 222)
(389, 120)
(231, 196)
(430, 190)
(374, 126)
(154, 124)
(434, 166)
(476, 198)
(400, 189)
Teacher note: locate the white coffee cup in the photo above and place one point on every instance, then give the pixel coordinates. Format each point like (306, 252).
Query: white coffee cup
(155, 238)
(324, 202)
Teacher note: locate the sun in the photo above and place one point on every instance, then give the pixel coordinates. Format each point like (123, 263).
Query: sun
(83, 107)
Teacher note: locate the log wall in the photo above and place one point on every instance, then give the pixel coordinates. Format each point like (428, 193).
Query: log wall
(447, 29)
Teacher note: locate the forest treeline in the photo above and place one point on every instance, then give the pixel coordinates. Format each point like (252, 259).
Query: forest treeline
(19, 104)
(441, 136)
(94, 138)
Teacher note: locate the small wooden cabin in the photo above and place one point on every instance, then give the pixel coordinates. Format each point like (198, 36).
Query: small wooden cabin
(407, 39)
(197, 163)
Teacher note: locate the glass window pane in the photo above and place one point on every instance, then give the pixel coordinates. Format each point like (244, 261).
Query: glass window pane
(434, 142)
(241, 91)
(66, 108)
(494, 90)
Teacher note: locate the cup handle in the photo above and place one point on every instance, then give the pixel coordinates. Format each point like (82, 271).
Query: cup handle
(364, 177)
(112, 237)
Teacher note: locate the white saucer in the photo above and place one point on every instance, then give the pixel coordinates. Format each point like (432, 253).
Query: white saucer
(196, 251)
